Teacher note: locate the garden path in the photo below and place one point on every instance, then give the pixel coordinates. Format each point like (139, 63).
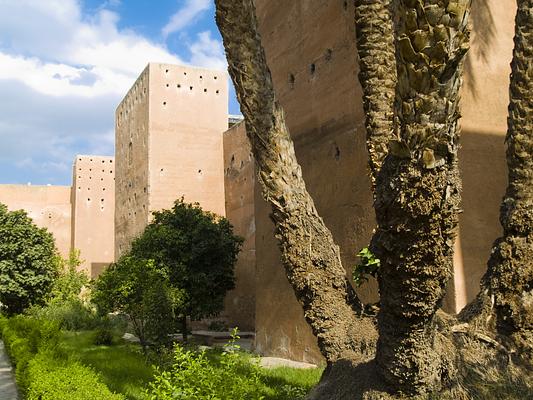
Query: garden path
(8, 389)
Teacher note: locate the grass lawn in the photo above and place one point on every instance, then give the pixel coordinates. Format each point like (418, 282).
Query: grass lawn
(284, 383)
(122, 367)
(125, 370)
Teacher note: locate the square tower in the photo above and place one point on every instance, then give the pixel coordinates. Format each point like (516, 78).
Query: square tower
(168, 135)
(93, 211)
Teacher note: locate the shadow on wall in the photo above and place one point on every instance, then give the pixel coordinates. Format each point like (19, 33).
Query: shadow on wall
(484, 28)
(484, 174)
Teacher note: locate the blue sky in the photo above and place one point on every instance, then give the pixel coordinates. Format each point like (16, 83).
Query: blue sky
(66, 64)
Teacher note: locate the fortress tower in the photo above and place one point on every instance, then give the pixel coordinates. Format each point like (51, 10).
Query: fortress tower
(168, 135)
(93, 210)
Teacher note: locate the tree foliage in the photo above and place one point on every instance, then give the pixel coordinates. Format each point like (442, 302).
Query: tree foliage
(198, 250)
(28, 261)
(70, 282)
(139, 289)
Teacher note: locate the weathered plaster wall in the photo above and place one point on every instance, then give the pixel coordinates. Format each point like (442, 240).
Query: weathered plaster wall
(188, 114)
(48, 206)
(485, 97)
(93, 211)
(310, 47)
(169, 144)
(239, 182)
(131, 159)
(311, 52)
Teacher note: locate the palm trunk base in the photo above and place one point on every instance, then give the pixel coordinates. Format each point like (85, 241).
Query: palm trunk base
(482, 370)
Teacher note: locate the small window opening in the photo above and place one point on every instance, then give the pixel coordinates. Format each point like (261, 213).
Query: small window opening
(292, 80)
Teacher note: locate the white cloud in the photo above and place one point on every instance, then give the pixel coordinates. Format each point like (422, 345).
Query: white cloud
(208, 52)
(59, 60)
(185, 16)
(62, 74)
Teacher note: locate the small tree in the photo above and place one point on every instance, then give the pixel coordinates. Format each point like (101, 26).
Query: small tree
(199, 249)
(28, 261)
(70, 282)
(138, 289)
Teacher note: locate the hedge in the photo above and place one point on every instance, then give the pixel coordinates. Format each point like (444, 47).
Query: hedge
(42, 370)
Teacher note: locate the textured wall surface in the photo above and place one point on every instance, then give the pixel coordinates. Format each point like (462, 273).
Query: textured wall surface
(48, 206)
(310, 47)
(131, 158)
(239, 182)
(485, 97)
(188, 114)
(168, 145)
(93, 210)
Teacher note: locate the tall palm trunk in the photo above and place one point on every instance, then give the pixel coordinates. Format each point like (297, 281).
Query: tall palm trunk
(509, 278)
(311, 258)
(377, 75)
(417, 193)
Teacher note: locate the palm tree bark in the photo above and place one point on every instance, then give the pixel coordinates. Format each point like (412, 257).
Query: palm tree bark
(377, 75)
(309, 254)
(418, 193)
(509, 278)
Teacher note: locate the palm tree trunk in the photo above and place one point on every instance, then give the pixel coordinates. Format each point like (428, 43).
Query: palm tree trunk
(509, 279)
(309, 254)
(377, 75)
(417, 193)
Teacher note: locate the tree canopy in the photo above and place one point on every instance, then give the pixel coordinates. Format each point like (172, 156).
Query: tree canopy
(199, 251)
(28, 261)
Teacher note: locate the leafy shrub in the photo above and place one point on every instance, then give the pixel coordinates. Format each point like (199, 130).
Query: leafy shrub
(192, 376)
(28, 261)
(198, 250)
(64, 304)
(24, 337)
(137, 288)
(369, 265)
(71, 314)
(53, 379)
(42, 369)
(218, 326)
(103, 337)
(70, 282)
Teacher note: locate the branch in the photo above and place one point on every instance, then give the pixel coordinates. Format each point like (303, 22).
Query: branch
(309, 254)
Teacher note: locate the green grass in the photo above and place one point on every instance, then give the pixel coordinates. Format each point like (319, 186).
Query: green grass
(122, 367)
(284, 381)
